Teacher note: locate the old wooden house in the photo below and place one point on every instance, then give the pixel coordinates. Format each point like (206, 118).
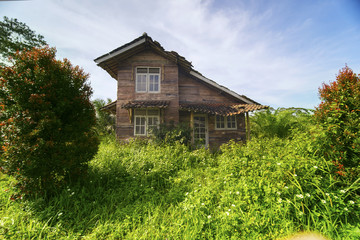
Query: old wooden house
(158, 86)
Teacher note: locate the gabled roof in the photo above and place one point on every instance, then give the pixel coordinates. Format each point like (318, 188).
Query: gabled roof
(110, 60)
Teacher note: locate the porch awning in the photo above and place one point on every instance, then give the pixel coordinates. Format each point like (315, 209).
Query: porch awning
(146, 104)
(220, 108)
(111, 107)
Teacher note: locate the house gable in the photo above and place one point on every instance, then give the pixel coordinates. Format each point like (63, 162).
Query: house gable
(195, 90)
(182, 94)
(126, 92)
(109, 62)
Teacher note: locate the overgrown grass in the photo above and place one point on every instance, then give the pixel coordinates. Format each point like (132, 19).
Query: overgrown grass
(266, 189)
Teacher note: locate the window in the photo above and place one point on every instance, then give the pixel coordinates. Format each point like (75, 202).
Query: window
(200, 130)
(147, 79)
(228, 122)
(145, 120)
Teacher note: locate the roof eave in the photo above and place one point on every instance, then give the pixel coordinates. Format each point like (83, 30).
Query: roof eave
(118, 52)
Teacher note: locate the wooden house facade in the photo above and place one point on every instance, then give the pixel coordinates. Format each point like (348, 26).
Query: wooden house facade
(157, 86)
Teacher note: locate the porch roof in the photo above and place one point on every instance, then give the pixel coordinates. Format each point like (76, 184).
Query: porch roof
(221, 108)
(210, 108)
(146, 104)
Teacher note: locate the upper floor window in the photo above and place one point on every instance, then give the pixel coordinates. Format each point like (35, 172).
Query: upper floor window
(148, 79)
(228, 122)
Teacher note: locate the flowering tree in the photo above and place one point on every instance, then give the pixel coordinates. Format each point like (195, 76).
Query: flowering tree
(46, 120)
(15, 36)
(339, 114)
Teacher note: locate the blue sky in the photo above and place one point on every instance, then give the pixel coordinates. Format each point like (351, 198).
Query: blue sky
(277, 52)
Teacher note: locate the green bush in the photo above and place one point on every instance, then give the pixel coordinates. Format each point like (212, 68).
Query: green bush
(339, 116)
(266, 189)
(46, 121)
(171, 133)
(280, 122)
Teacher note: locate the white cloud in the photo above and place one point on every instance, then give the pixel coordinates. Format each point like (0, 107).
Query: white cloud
(246, 47)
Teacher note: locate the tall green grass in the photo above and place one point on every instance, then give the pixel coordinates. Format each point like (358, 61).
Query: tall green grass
(266, 189)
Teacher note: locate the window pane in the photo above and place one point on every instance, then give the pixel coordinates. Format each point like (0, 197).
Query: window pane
(141, 83)
(153, 112)
(140, 112)
(220, 121)
(154, 70)
(153, 83)
(142, 130)
(140, 125)
(141, 70)
(231, 122)
(137, 130)
(153, 122)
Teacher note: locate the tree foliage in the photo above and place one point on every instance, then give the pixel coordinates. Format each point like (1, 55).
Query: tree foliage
(105, 121)
(280, 122)
(339, 115)
(17, 36)
(46, 120)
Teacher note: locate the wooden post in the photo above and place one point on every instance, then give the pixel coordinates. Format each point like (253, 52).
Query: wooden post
(192, 126)
(247, 127)
(130, 111)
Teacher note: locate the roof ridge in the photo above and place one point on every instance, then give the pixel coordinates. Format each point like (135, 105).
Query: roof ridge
(172, 55)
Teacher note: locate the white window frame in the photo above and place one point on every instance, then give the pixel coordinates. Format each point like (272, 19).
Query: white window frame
(206, 143)
(145, 115)
(225, 118)
(147, 79)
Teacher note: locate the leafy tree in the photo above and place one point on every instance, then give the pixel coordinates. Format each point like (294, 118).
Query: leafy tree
(46, 121)
(339, 116)
(16, 36)
(280, 122)
(105, 121)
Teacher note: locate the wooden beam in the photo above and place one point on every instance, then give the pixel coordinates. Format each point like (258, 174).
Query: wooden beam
(192, 126)
(247, 127)
(130, 115)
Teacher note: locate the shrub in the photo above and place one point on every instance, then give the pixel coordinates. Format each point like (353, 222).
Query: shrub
(46, 121)
(171, 133)
(339, 116)
(280, 122)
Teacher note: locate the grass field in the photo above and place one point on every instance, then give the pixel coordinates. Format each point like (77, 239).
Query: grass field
(267, 189)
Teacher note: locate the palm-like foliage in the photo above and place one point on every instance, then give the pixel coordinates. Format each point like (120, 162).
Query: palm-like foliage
(105, 121)
(280, 122)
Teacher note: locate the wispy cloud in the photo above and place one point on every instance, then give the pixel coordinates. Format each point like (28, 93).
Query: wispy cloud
(274, 52)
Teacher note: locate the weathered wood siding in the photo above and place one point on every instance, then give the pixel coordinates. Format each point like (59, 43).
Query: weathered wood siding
(193, 90)
(126, 89)
(218, 137)
(175, 86)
